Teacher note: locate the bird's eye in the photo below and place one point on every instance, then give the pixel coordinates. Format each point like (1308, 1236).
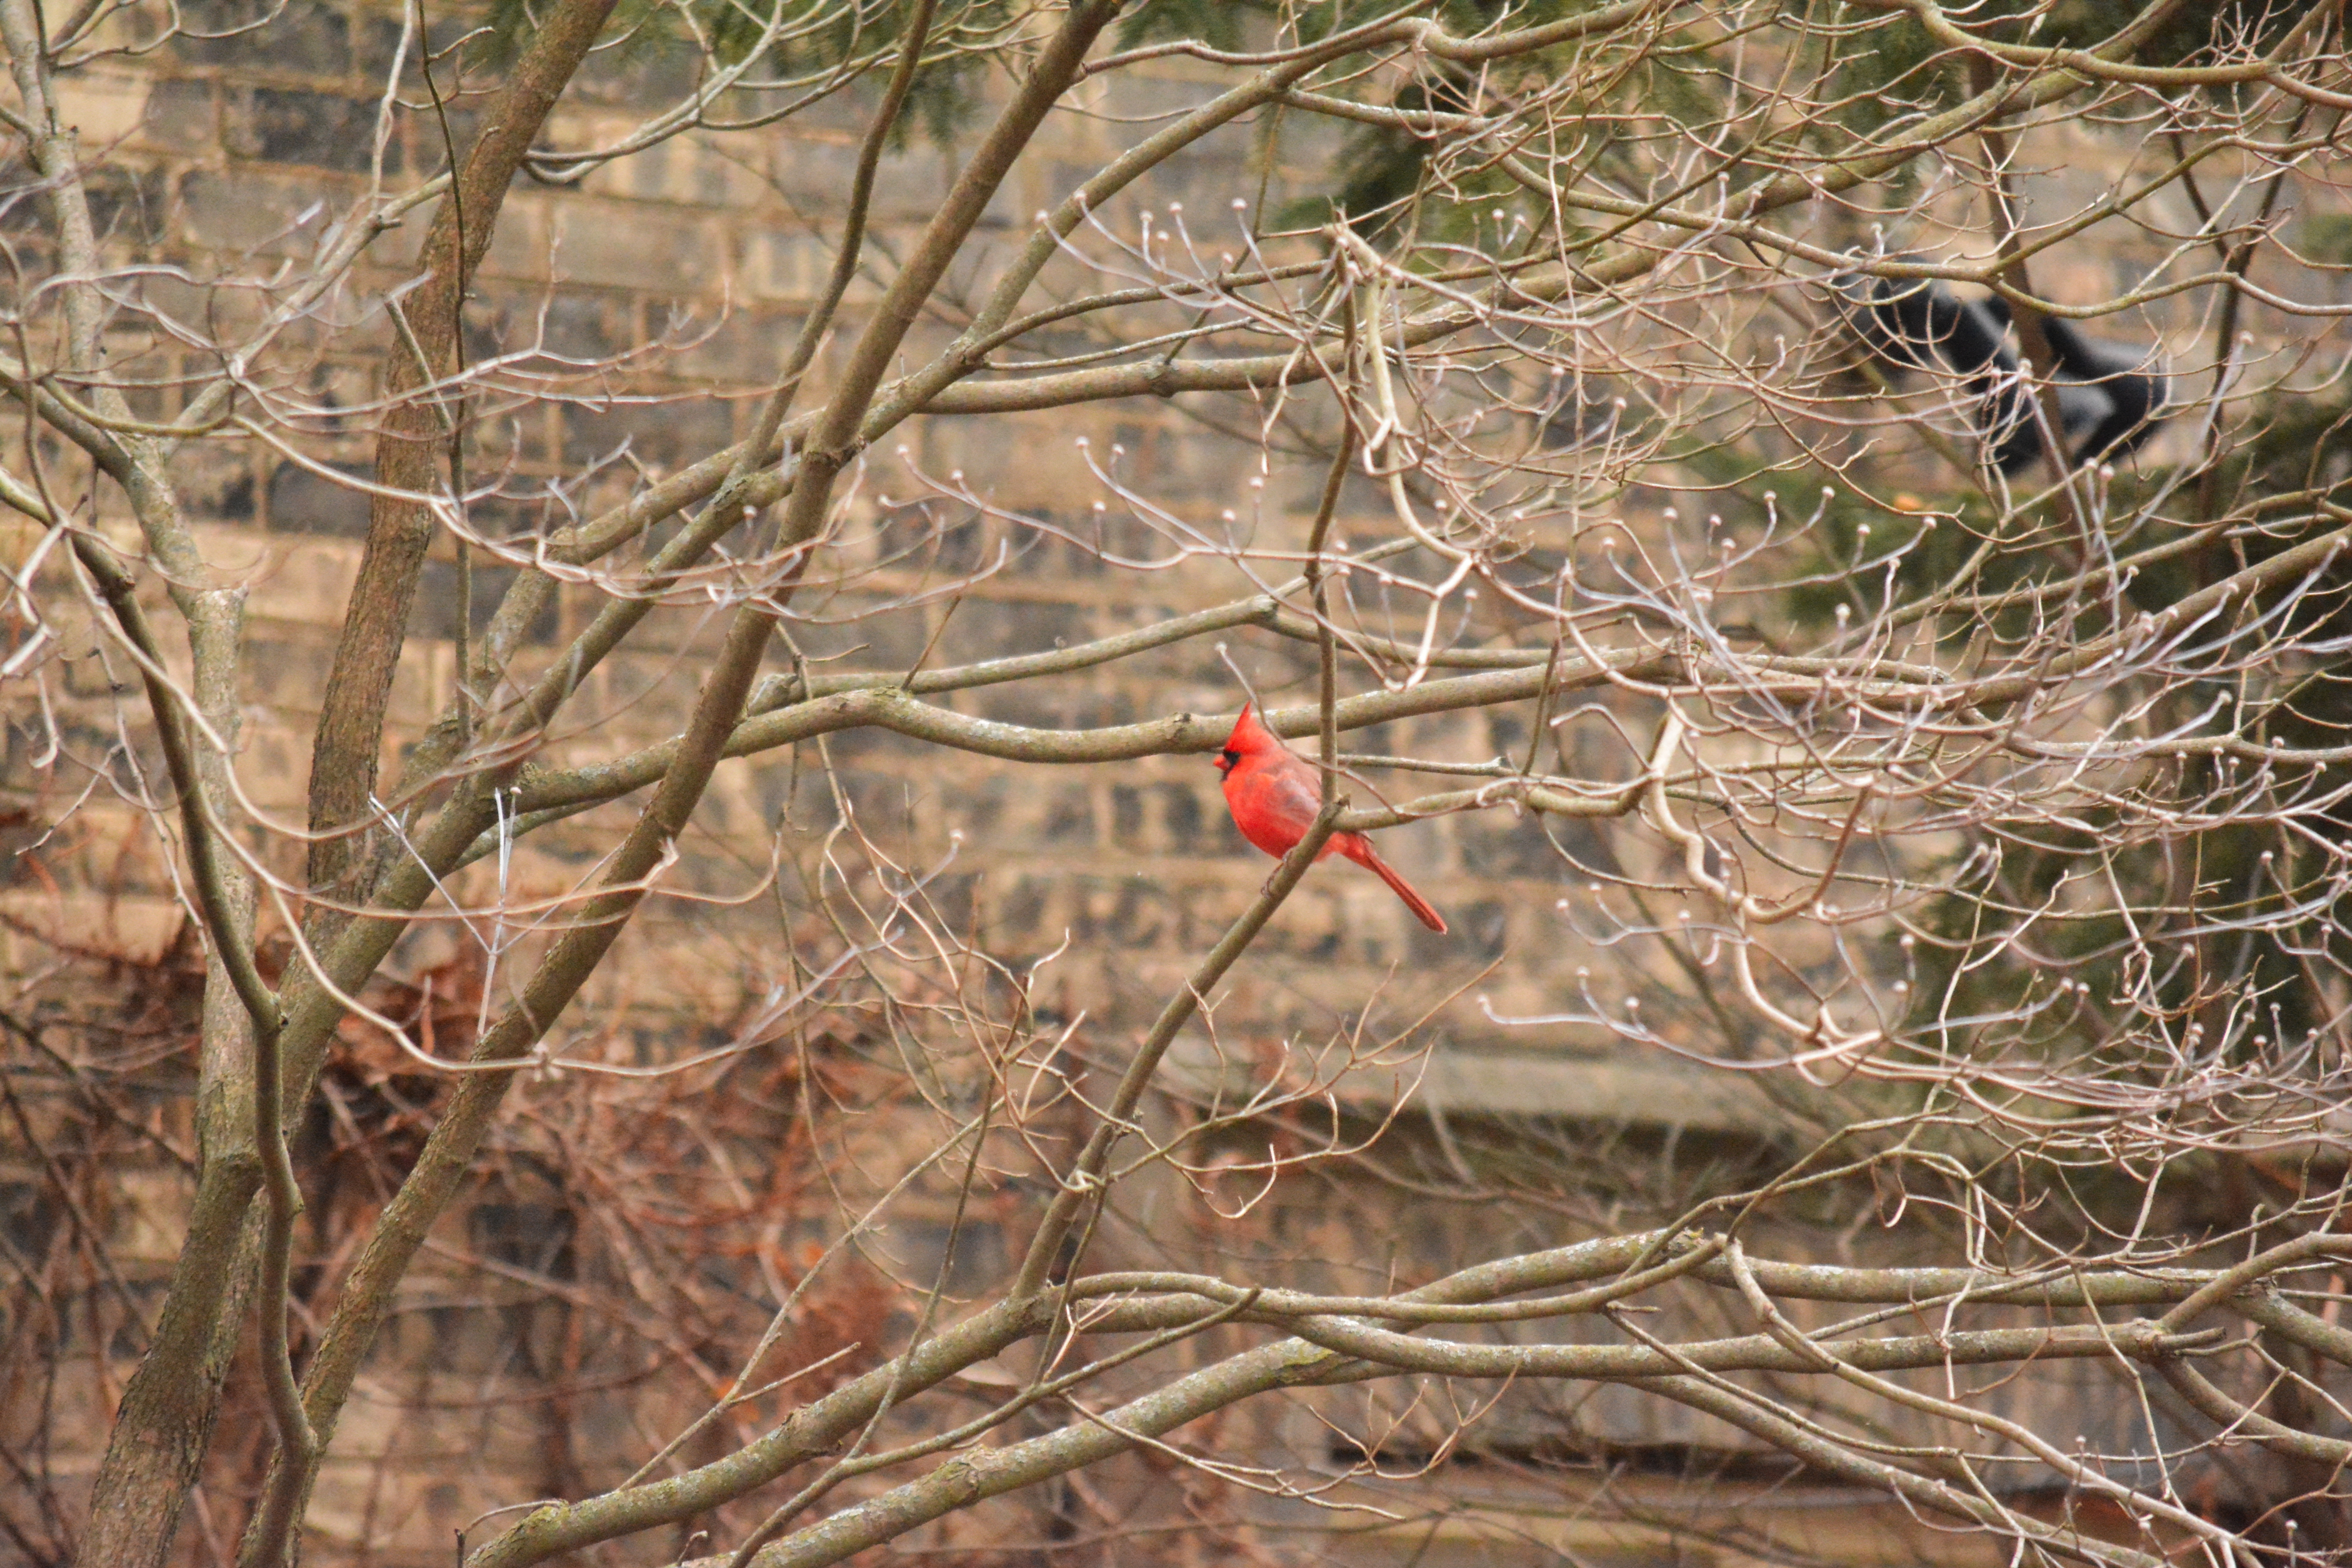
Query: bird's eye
(1229, 758)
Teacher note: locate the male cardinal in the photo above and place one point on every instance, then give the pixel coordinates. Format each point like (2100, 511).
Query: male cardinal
(1275, 794)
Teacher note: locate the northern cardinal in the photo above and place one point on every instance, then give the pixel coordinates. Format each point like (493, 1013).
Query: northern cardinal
(1275, 794)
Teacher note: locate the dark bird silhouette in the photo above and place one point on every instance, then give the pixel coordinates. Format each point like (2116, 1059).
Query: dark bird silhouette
(2108, 401)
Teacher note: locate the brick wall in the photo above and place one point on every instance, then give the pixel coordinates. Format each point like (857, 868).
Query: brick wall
(700, 259)
(699, 263)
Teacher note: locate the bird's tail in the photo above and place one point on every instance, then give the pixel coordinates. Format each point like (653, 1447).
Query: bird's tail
(1423, 911)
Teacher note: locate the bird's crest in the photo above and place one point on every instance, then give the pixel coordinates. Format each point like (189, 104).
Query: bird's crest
(1249, 731)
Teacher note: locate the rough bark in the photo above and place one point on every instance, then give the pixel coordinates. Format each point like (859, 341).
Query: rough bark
(345, 750)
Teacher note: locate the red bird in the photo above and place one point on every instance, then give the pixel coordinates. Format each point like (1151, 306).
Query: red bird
(1275, 793)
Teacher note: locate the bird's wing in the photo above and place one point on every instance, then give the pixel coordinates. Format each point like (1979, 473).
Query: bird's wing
(1294, 791)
